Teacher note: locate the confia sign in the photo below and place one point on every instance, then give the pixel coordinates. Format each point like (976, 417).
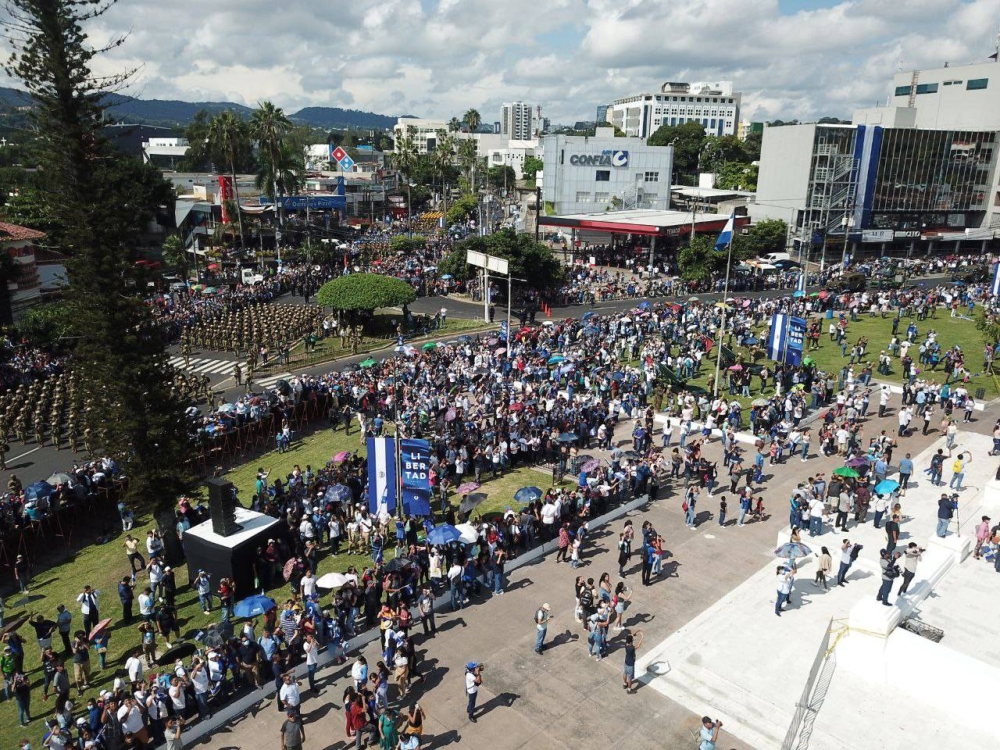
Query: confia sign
(604, 159)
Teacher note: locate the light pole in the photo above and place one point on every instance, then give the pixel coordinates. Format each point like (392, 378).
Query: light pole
(848, 224)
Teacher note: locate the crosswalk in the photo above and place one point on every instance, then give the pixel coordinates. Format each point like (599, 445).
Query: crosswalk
(224, 367)
(206, 366)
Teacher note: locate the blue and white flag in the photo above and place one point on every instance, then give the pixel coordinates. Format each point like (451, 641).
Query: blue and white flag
(382, 475)
(776, 339)
(995, 285)
(801, 285)
(726, 235)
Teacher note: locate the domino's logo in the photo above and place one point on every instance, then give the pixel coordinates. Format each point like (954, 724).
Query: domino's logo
(619, 159)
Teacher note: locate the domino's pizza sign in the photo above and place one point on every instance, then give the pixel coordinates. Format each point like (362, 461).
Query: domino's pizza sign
(338, 154)
(347, 163)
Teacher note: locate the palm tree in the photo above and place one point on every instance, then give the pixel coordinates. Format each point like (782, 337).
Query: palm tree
(404, 160)
(286, 179)
(467, 158)
(444, 155)
(268, 126)
(454, 125)
(473, 119)
(227, 137)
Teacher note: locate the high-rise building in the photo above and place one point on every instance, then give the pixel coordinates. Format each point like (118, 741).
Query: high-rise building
(714, 105)
(602, 114)
(516, 121)
(963, 97)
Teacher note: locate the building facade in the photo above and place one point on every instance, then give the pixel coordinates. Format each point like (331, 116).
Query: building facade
(586, 174)
(512, 155)
(963, 97)
(868, 184)
(715, 106)
(516, 121)
(19, 244)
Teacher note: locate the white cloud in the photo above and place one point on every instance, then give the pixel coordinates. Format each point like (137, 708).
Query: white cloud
(437, 59)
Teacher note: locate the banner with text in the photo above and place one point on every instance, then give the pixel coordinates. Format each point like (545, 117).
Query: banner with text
(796, 341)
(415, 459)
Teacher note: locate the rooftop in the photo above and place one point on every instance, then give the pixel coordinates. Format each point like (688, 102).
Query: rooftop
(16, 233)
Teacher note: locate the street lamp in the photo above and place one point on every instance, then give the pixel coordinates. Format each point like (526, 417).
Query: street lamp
(847, 222)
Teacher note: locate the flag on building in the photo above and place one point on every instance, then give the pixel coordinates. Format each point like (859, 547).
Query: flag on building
(995, 285)
(726, 235)
(382, 481)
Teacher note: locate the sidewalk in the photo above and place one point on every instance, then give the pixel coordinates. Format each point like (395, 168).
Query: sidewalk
(900, 691)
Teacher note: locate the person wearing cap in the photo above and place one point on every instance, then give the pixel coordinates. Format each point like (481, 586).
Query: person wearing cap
(292, 732)
(44, 629)
(473, 679)
(542, 616)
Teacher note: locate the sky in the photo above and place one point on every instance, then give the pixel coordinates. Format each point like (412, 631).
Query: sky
(800, 59)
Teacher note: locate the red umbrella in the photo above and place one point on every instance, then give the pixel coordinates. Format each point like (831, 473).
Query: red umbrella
(342, 456)
(289, 567)
(517, 406)
(98, 628)
(467, 487)
(213, 266)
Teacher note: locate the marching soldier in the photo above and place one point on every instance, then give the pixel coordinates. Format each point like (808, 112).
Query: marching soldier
(56, 430)
(39, 431)
(71, 434)
(4, 447)
(88, 441)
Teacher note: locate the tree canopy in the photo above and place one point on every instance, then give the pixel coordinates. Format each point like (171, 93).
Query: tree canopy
(365, 292)
(700, 261)
(687, 139)
(528, 259)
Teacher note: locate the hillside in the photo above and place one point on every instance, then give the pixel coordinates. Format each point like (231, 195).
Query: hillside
(174, 112)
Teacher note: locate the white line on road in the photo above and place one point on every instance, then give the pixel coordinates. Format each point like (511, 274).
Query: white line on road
(14, 458)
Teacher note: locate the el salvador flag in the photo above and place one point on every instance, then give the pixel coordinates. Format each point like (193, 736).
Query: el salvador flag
(726, 235)
(381, 474)
(776, 337)
(995, 286)
(801, 286)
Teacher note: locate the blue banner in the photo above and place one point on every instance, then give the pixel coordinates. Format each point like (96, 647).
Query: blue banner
(415, 460)
(796, 341)
(382, 475)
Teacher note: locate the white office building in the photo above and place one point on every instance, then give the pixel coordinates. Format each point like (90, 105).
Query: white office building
(513, 155)
(583, 174)
(714, 105)
(427, 133)
(961, 97)
(516, 121)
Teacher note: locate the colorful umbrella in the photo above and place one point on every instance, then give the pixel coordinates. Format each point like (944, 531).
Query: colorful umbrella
(792, 549)
(556, 359)
(846, 471)
(859, 462)
(527, 495)
(428, 346)
(98, 628)
(798, 293)
(886, 487)
(591, 465)
(736, 368)
(443, 534)
(253, 606)
(369, 363)
(335, 580)
(517, 406)
(467, 487)
(337, 493)
(342, 456)
(588, 315)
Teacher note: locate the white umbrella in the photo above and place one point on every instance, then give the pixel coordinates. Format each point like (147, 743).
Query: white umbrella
(335, 580)
(469, 534)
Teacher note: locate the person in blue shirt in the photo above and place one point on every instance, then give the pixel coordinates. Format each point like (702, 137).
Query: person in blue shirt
(905, 470)
(709, 734)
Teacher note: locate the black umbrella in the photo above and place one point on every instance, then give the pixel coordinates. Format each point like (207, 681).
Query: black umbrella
(283, 387)
(471, 502)
(398, 564)
(180, 651)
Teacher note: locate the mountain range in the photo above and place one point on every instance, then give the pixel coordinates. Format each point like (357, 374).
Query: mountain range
(173, 113)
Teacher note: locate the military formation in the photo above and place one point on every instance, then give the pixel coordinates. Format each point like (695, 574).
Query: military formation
(49, 411)
(252, 329)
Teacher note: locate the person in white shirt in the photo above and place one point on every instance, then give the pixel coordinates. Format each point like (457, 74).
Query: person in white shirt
(307, 586)
(549, 520)
(130, 716)
(178, 697)
(201, 683)
(133, 666)
(311, 649)
(289, 694)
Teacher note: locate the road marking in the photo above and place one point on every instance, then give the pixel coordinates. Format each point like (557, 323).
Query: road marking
(25, 454)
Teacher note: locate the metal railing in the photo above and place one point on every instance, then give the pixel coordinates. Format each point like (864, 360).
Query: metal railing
(814, 691)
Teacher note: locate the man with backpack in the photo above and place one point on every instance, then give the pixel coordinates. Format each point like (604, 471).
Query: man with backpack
(890, 572)
(848, 554)
(937, 466)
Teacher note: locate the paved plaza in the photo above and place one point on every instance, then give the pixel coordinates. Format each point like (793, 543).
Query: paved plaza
(711, 642)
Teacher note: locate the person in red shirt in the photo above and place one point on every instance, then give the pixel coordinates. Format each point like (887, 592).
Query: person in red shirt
(358, 725)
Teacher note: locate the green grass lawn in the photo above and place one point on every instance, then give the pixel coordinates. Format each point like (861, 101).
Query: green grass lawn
(102, 566)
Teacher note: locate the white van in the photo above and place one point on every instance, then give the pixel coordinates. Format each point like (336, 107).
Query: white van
(772, 257)
(250, 277)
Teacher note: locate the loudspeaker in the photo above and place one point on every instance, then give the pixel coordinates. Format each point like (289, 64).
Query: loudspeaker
(222, 507)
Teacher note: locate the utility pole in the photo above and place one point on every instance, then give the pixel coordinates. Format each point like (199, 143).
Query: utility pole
(538, 212)
(308, 233)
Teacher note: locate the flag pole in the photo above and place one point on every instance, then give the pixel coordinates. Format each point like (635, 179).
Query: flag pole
(722, 328)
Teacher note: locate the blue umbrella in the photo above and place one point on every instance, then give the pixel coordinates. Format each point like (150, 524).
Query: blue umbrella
(337, 493)
(750, 340)
(792, 550)
(37, 490)
(568, 437)
(643, 305)
(588, 315)
(443, 534)
(798, 293)
(527, 495)
(618, 376)
(886, 487)
(447, 276)
(556, 359)
(253, 606)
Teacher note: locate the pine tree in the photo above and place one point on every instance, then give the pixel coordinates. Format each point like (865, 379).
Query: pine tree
(119, 356)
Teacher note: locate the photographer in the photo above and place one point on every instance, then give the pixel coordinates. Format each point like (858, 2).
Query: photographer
(709, 733)
(890, 572)
(473, 679)
(910, 559)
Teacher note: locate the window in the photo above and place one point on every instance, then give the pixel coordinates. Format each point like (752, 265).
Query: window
(603, 175)
(712, 123)
(927, 88)
(976, 84)
(602, 197)
(902, 91)
(582, 197)
(652, 176)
